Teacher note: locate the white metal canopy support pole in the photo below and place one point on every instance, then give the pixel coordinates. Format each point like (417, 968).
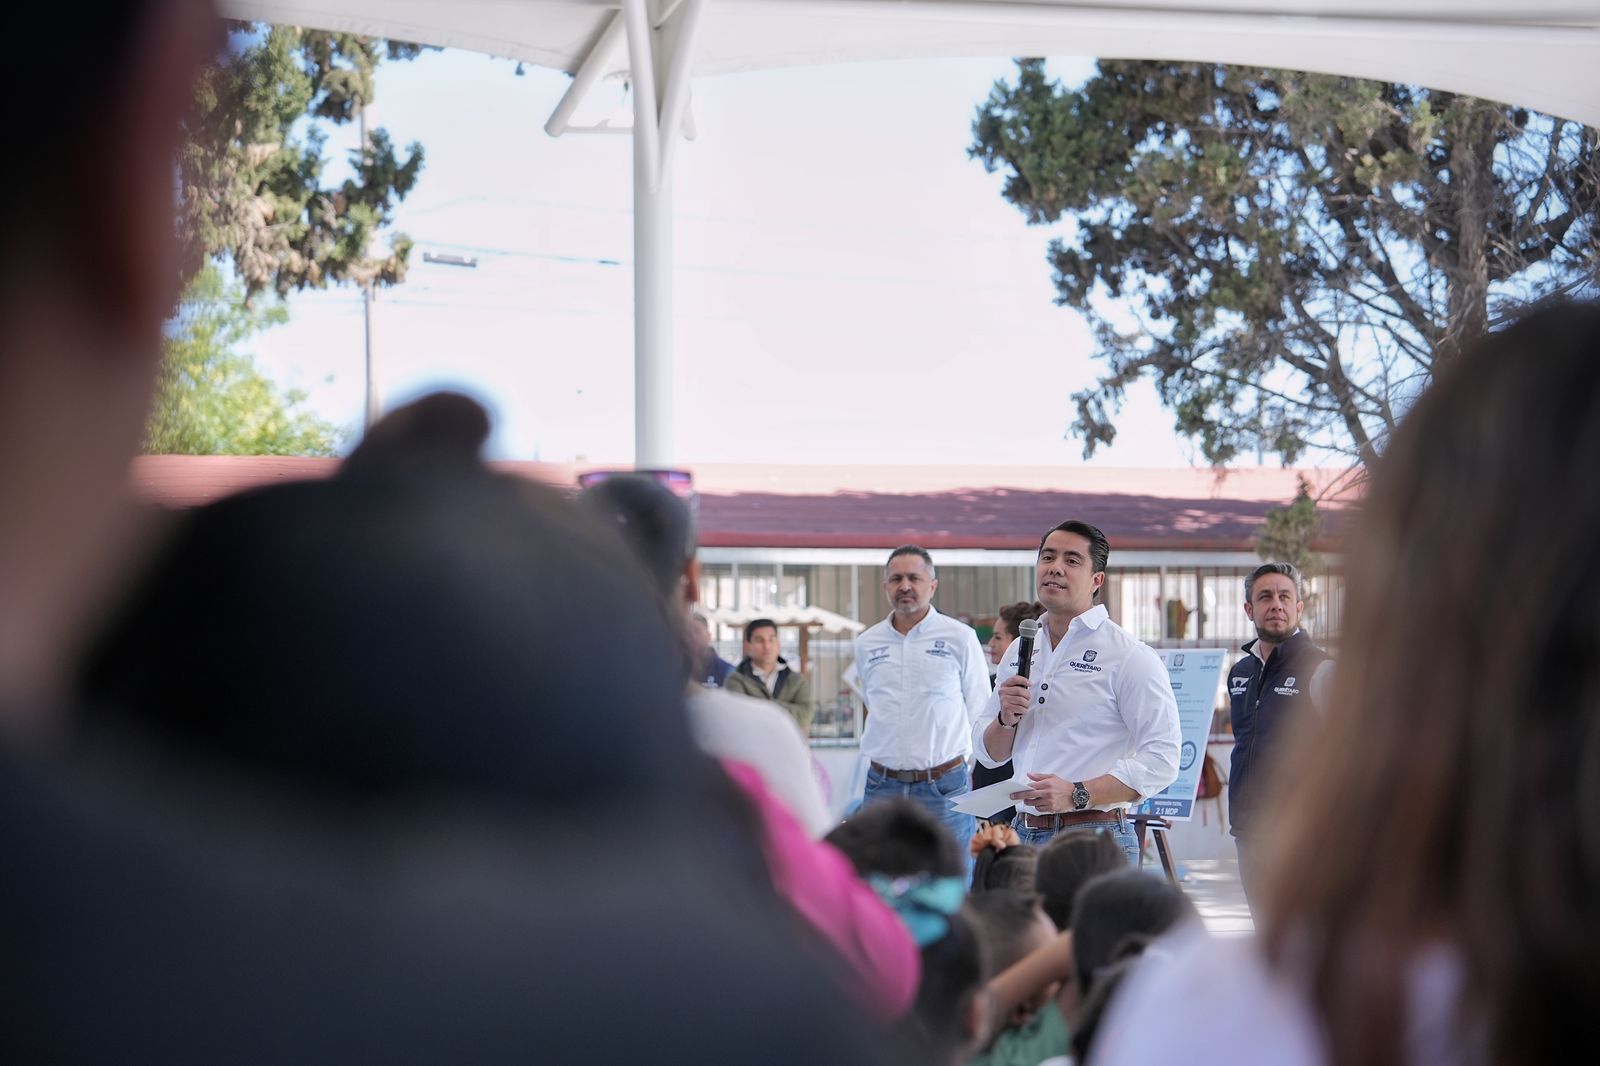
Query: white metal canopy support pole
(660, 55)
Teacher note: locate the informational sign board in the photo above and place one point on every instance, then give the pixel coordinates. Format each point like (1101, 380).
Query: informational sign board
(1194, 673)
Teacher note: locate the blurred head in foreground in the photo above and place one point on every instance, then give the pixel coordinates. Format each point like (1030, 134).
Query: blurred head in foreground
(1453, 799)
(89, 272)
(417, 622)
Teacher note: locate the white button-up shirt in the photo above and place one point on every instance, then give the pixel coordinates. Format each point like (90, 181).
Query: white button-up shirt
(1102, 703)
(923, 689)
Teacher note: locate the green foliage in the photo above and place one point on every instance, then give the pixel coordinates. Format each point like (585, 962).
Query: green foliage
(1288, 255)
(251, 170)
(1287, 535)
(212, 400)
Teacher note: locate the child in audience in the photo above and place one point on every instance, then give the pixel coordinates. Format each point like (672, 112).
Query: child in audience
(1029, 1026)
(1001, 860)
(910, 859)
(1066, 864)
(1115, 915)
(897, 838)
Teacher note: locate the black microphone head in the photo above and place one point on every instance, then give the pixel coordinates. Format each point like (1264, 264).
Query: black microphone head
(1028, 629)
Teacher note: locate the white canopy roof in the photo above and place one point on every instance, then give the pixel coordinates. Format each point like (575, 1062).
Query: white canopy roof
(1543, 54)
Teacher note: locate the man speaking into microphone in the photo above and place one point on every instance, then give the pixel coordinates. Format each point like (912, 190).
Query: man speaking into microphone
(1093, 725)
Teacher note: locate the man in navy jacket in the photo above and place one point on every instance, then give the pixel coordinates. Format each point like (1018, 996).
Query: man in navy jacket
(1281, 678)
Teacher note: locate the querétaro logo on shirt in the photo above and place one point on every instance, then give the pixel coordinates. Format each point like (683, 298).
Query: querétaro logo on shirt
(1237, 685)
(877, 655)
(1085, 664)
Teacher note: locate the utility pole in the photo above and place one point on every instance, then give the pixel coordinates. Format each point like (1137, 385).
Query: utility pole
(373, 405)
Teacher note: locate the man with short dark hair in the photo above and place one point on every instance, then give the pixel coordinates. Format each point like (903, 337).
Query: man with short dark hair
(1281, 678)
(765, 674)
(925, 678)
(1095, 725)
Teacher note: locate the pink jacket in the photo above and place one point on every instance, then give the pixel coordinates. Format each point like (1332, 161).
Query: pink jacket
(819, 882)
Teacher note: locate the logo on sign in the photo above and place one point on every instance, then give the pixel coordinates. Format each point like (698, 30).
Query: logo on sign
(1186, 755)
(1177, 661)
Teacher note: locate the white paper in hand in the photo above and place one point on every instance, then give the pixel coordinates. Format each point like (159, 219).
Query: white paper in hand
(990, 799)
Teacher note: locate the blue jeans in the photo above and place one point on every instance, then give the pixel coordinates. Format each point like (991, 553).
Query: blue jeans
(1122, 833)
(934, 797)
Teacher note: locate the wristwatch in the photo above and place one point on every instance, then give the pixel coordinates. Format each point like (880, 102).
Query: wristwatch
(1080, 796)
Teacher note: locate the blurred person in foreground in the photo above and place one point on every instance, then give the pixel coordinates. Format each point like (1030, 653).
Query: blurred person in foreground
(728, 725)
(1431, 893)
(370, 670)
(762, 750)
(168, 898)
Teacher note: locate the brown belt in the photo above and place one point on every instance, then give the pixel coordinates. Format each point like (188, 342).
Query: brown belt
(921, 775)
(1070, 819)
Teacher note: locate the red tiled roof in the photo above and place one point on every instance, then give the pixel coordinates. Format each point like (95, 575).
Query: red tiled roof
(873, 507)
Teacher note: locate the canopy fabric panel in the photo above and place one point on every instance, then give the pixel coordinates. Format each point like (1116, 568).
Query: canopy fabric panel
(1543, 54)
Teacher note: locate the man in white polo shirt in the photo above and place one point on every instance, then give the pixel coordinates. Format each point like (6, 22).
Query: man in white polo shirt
(925, 679)
(1095, 726)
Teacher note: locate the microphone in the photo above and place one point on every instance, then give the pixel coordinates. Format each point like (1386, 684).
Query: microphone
(1027, 629)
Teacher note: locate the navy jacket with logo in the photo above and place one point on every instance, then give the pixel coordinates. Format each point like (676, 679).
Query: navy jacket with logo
(1264, 699)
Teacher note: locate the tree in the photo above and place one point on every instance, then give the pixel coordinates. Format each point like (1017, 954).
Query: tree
(251, 197)
(250, 175)
(212, 400)
(1287, 534)
(1290, 256)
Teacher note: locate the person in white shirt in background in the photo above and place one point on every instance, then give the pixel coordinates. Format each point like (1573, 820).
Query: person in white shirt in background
(924, 678)
(1095, 725)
